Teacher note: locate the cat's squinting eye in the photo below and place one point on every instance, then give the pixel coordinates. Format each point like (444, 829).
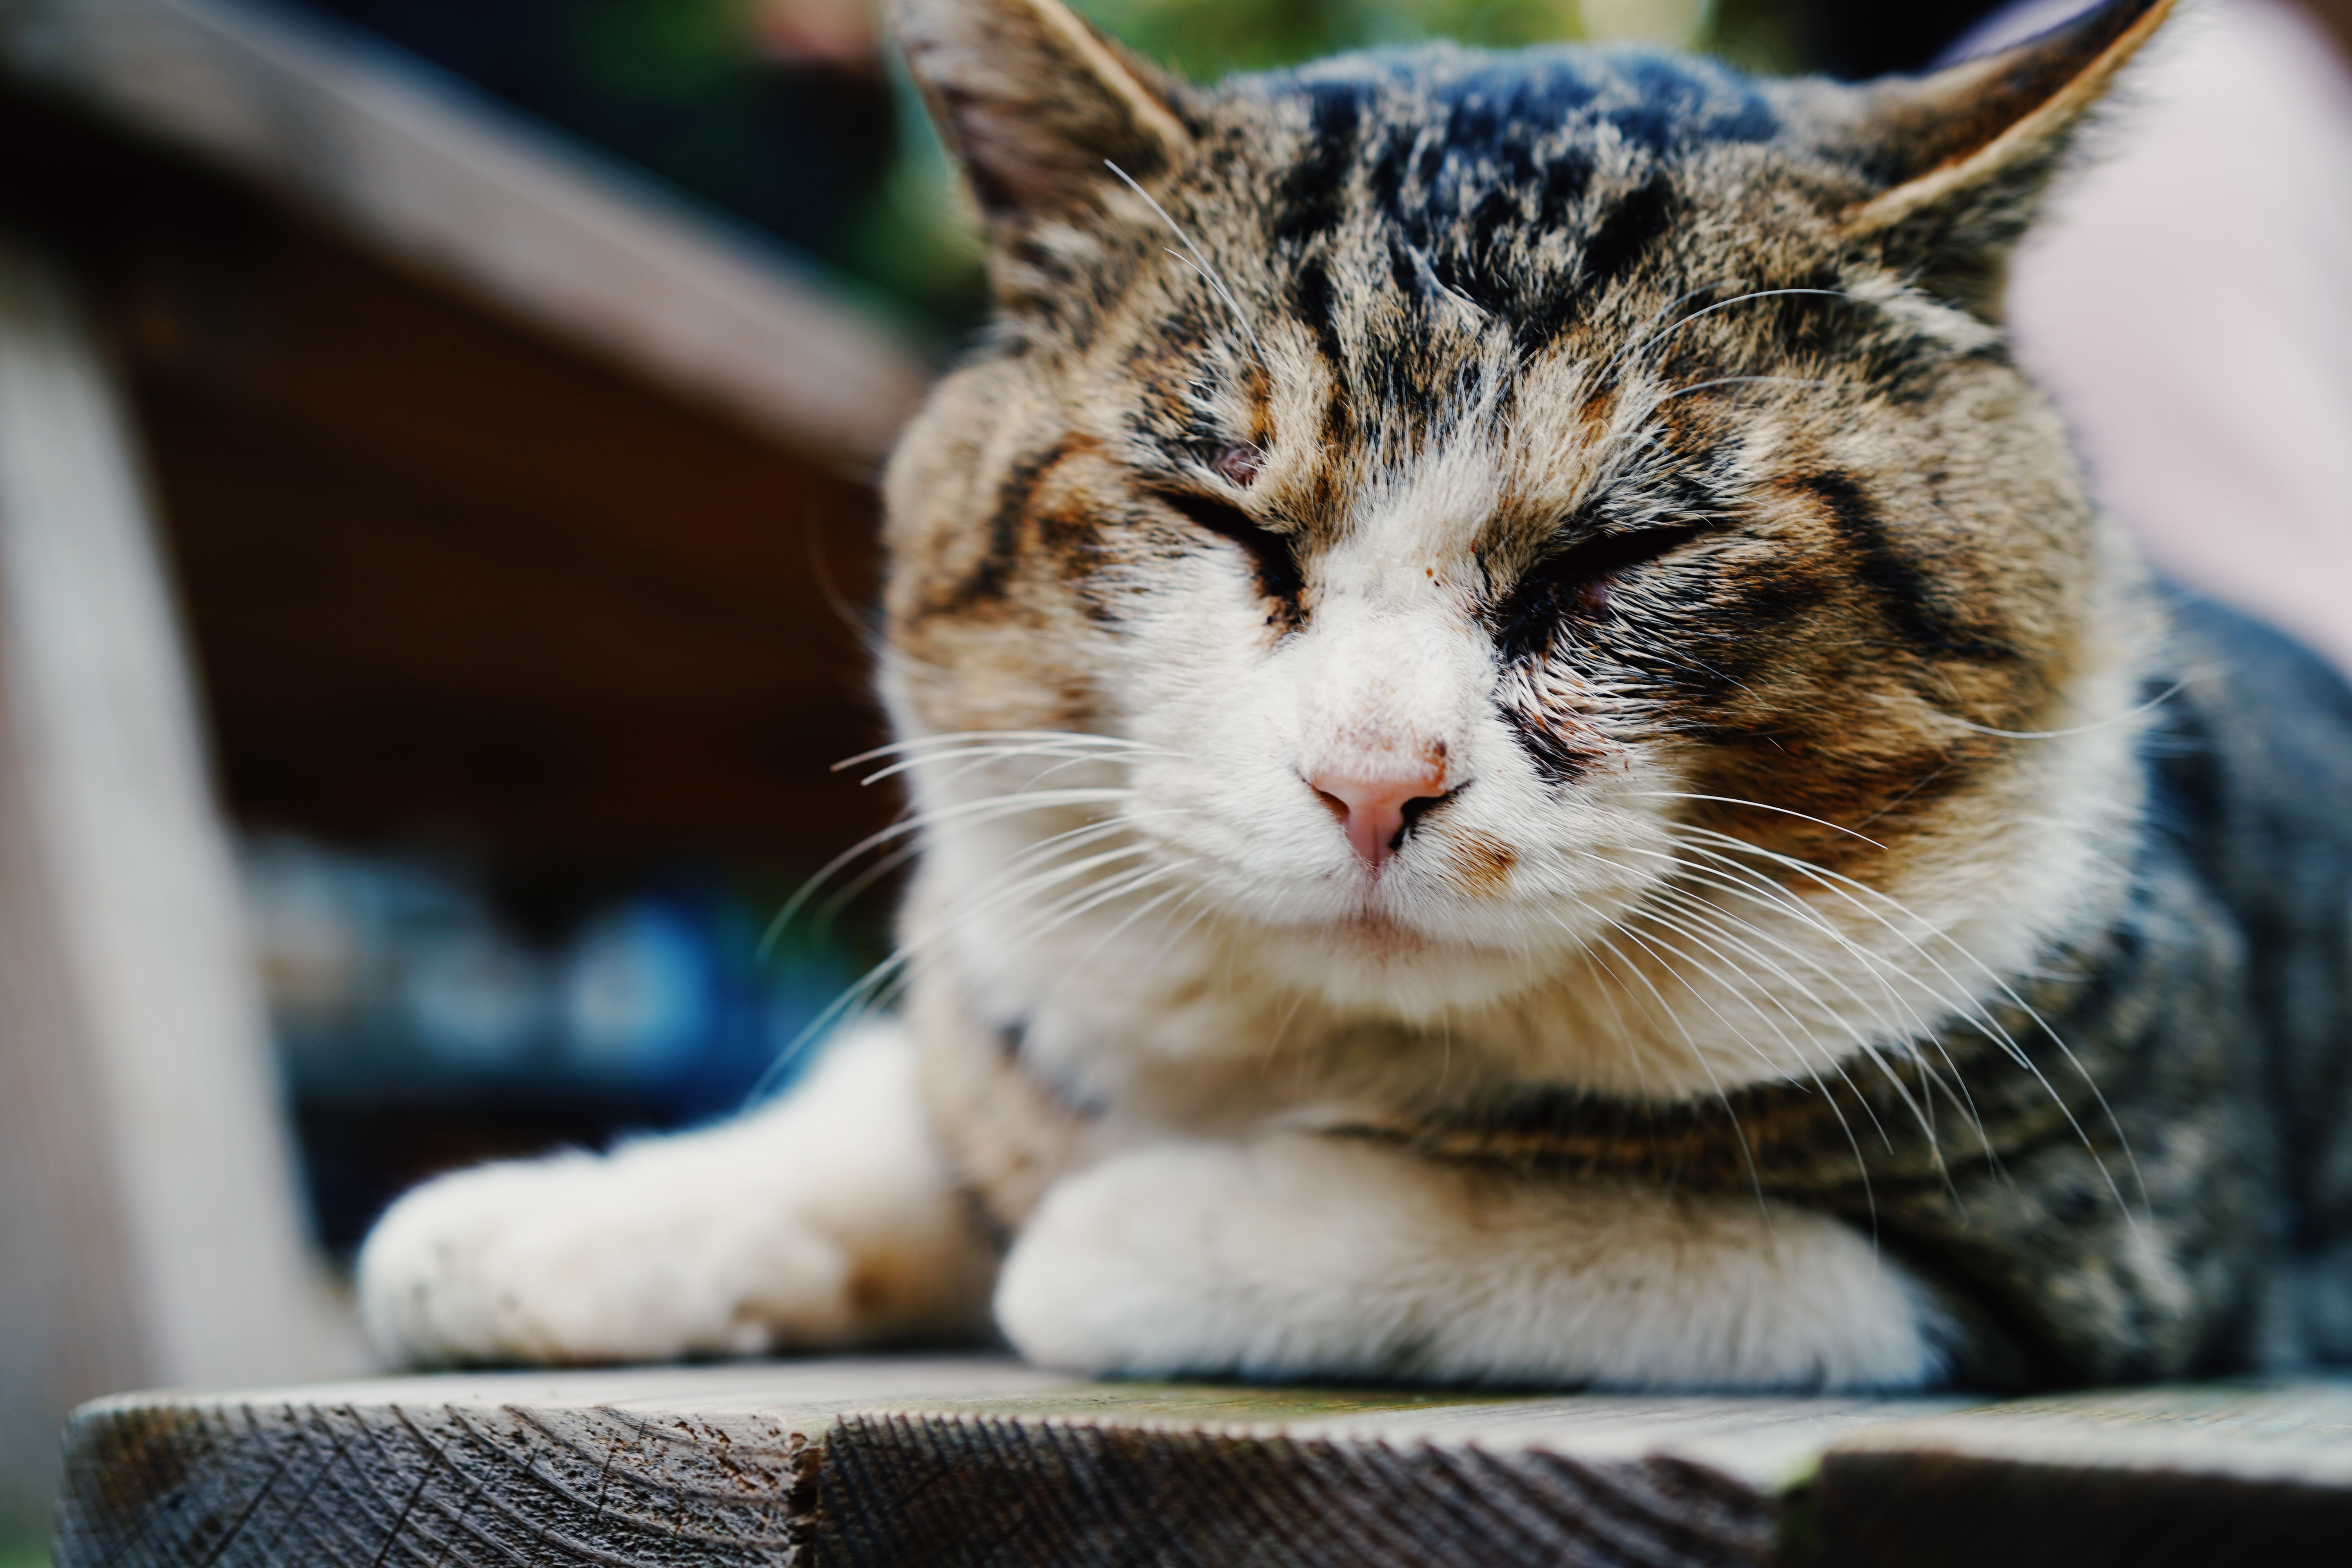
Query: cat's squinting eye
(1277, 560)
(1237, 464)
(1575, 582)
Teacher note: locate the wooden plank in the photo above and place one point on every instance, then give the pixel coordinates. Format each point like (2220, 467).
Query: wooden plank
(1222, 1478)
(148, 1220)
(658, 1466)
(916, 1462)
(2149, 1477)
(910, 1462)
(417, 166)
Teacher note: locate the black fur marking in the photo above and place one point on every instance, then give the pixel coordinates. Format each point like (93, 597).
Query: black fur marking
(1570, 583)
(1314, 198)
(1534, 89)
(1484, 165)
(1403, 271)
(1565, 180)
(1904, 594)
(1013, 498)
(1311, 294)
(1274, 555)
(1671, 111)
(1638, 222)
(1543, 319)
(1769, 597)
(1557, 761)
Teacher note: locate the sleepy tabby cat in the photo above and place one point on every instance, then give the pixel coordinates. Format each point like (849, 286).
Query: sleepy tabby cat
(1533, 765)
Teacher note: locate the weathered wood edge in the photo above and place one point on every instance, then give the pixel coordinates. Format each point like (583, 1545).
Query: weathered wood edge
(2224, 1473)
(909, 1462)
(659, 1466)
(1129, 1475)
(415, 165)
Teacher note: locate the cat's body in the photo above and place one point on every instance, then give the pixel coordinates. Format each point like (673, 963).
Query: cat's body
(1534, 766)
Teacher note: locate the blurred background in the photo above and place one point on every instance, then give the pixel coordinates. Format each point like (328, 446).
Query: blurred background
(495, 389)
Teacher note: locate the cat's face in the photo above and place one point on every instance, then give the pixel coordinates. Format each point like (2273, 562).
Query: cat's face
(1471, 482)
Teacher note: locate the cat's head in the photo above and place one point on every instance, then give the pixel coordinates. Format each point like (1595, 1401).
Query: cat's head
(1468, 479)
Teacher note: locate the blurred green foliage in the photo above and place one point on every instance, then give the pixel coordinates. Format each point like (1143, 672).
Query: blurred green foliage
(19, 1553)
(665, 48)
(1207, 38)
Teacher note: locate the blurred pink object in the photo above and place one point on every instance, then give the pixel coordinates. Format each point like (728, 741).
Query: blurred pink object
(840, 33)
(2190, 305)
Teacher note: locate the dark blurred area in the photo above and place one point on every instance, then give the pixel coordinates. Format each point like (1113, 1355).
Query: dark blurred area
(1858, 39)
(779, 114)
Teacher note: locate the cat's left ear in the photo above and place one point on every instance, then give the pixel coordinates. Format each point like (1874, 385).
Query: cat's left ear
(1965, 154)
(1033, 101)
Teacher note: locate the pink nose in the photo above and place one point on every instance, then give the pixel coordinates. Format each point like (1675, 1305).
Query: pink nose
(1374, 811)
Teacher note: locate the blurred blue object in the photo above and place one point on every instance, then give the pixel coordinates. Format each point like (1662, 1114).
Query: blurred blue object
(640, 995)
(397, 971)
(420, 1025)
(474, 999)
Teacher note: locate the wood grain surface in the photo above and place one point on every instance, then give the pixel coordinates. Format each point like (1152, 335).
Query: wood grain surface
(915, 1461)
(709, 1467)
(926, 1462)
(2150, 1477)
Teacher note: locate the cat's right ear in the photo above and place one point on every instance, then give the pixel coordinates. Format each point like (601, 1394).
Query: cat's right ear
(1963, 156)
(1033, 101)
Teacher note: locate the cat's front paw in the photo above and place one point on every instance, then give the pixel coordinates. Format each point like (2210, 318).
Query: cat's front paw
(1210, 1259)
(574, 1259)
(1294, 1256)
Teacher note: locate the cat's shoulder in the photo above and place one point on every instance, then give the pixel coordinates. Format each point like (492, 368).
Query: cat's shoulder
(2271, 716)
(2251, 768)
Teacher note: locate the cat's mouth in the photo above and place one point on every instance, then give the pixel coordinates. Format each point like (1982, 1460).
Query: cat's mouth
(1372, 929)
(1373, 932)
(1372, 957)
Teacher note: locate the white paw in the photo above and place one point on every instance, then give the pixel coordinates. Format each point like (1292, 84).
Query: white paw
(1212, 1258)
(578, 1258)
(1304, 1256)
(822, 1220)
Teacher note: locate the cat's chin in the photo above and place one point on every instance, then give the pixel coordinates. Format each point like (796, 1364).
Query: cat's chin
(1382, 936)
(1373, 959)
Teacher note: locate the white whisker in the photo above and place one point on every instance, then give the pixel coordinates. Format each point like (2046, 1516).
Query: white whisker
(1690, 1041)
(1200, 262)
(1759, 805)
(1008, 804)
(2124, 718)
(1647, 343)
(1981, 1017)
(1862, 1165)
(992, 738)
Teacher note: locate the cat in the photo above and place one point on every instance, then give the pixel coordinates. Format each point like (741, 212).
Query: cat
(1532, 765)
